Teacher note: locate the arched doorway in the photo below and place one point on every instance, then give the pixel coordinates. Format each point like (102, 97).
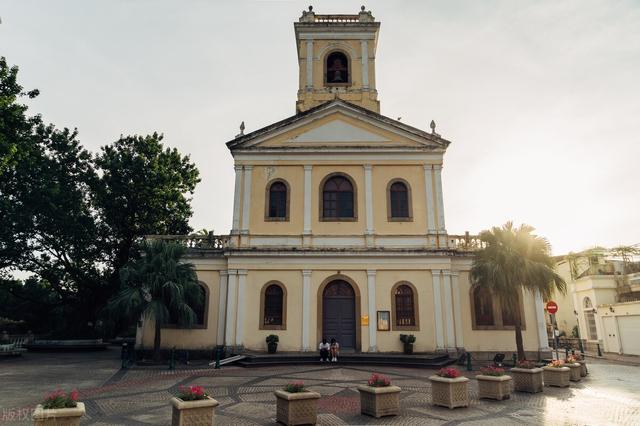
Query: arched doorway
(339, 313)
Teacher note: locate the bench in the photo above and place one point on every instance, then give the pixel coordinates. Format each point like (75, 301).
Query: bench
(11, 349)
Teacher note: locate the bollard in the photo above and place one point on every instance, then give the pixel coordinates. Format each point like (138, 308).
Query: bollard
(172, 359)
(599, 351)
(124, 355)
(469, 367)
(217, 366)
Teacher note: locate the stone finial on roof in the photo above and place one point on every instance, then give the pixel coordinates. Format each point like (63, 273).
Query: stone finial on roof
(365, 16)
(433, 128)
(241, 130)
(309, 16)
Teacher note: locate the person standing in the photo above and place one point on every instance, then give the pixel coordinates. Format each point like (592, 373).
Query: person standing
(324, 350)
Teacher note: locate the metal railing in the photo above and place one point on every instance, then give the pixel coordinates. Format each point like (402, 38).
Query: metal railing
(197, 241)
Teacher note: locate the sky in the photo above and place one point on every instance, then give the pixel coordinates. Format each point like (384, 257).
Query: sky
(541, 99)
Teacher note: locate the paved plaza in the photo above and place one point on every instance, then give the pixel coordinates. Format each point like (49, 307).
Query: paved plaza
(140, 396)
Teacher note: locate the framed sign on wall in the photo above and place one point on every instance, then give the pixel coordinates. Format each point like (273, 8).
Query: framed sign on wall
(384, 321)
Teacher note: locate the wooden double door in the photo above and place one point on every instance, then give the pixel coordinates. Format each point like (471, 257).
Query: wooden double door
(339, 314)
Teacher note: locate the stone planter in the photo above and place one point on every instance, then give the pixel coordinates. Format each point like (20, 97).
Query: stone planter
(300, 408)
(574, 374)
(450, 393)
(379, 401)
(527, 379)
(558, 377)
(494, 387)
(583, 368)
(188, 413)
(58, 416)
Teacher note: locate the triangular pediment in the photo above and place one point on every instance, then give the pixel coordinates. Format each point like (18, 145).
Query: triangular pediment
(338, 131)
(338, 125)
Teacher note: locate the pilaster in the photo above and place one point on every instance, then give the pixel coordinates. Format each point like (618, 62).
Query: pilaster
(222, 307)
(232, 297)
(306, 301)
(306, 233)
(242, 296)
(428, 184)
(437, 309)
(236, 200)
(371, 292)
(368, 199)
(246, 200)
(309, 65)
(457, 308)
(364, 47)
(448, 310)
(437, 171)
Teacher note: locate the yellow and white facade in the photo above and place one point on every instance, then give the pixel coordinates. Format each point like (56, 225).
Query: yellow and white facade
(372, 275)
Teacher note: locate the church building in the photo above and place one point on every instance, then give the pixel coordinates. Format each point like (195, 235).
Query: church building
(339, 226)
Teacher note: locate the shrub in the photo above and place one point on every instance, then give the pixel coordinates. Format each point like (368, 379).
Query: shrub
(378, 381)
(526, 364)
(192, 393)
(272, 338)
(556, 363)
(407, 338)
(449, 372)
(295, 387)
(492, 371)
(59, 399)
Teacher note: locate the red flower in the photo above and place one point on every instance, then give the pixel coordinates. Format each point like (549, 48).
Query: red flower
(74, 395)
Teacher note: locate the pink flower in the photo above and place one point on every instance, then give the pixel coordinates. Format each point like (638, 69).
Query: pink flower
(74, 395)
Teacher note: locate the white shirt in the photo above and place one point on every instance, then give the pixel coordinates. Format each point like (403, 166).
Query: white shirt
(325, 346)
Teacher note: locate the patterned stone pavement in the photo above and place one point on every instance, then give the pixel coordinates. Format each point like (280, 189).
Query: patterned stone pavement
(610, 395)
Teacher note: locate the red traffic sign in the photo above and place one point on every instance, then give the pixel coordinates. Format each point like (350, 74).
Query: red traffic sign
(552, 307)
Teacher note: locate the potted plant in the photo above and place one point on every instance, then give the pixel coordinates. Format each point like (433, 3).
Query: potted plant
(379, 397)
(580, 359)
(574, 367)
(272, 343)
(408, 340)
(527, 377)
(192, 406)
(296, 405)
(556, 373)
(449, 388)
(59, 409)
(493, 383)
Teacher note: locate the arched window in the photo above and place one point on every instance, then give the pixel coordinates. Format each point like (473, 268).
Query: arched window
(404, 303)
(590, 318)
(201, 309)
(337, 69)
(278, 201)
(338, 198)
(273, 307)
(399, 201)
(483, 306)
(489, 312)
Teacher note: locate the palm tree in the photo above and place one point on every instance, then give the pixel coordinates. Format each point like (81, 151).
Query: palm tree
(158, 286)
(514, 259)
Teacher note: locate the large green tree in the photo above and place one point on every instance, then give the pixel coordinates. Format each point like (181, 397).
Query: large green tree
(160, 287)
(511, 260)
(71, 218)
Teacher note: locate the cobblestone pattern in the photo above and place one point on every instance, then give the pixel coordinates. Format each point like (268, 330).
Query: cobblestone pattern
(610, 394)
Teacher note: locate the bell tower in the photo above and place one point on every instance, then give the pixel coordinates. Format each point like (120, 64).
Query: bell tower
(336, 54)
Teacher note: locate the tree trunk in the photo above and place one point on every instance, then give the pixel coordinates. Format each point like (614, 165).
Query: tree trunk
(156, 342)
(519, 345)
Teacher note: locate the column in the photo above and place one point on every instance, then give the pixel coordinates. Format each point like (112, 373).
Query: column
(448, 309)
(437, 308)
(541, 323)
(307, 205)
(222, 307)
(232, 296)
(309, 63)
(437, 169)
(236, 200)
(306, 300)
(246, 200)
(457, 308)
(364, 47)
(371, 292)
(428, 184)
(242, 290)
(368, 200)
